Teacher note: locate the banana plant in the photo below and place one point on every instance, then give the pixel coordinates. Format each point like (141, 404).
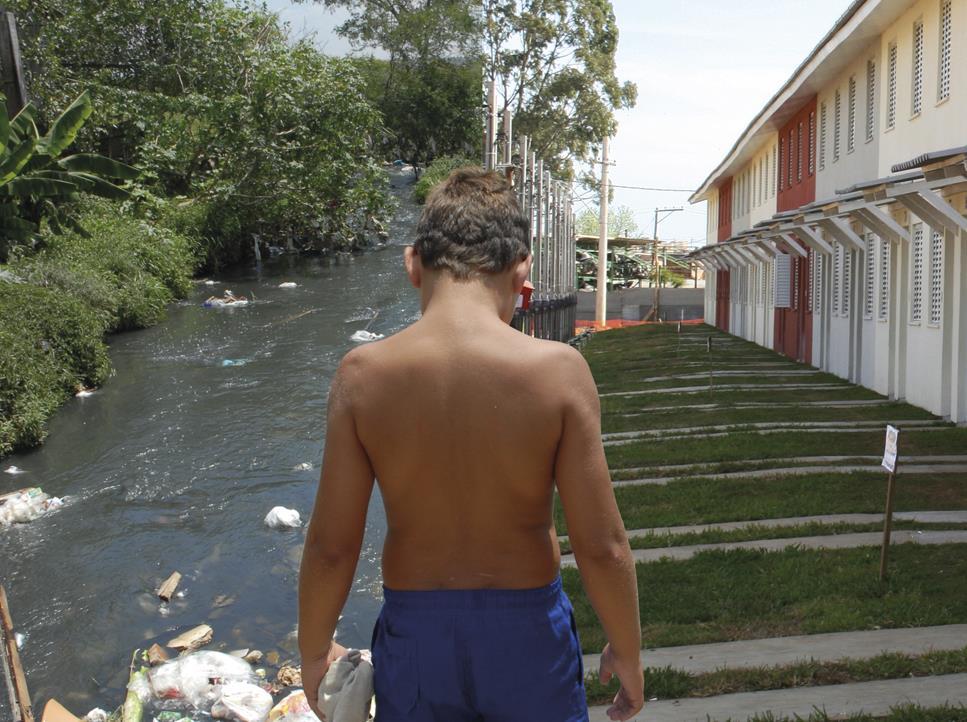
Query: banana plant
(37, 183)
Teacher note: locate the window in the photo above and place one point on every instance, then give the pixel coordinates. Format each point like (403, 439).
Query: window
(837, 117)
(883, 312)
(795, 284)
(775, 167)
(851, 117)
(891, 87)
(799, 155)
(936, 277)
(790, 152)
(822, 136)
(870, 99)
(943, 70)
(869, 276)
(812, 142)
(917, 92)
(837, 275)
(779, 166)
(846, 293)
(817, 283)
(916, 298)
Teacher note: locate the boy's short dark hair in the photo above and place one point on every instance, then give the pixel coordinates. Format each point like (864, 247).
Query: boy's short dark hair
(472, 224)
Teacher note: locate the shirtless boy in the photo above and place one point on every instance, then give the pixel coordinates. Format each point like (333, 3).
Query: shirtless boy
(469, 425)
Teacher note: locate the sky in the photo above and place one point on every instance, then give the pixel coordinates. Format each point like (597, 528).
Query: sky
(704, 69)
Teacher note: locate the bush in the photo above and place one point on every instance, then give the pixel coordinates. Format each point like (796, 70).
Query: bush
(437, 172)
(70, 293)
(50, 343)
(126, 271)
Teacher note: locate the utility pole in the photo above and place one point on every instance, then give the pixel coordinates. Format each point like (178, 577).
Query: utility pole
(11, 66)
(601, 297)
(656, 306)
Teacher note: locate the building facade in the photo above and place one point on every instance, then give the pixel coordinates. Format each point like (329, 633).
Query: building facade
(836, 224)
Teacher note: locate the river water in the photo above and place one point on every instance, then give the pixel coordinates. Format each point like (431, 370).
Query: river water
(174, 463)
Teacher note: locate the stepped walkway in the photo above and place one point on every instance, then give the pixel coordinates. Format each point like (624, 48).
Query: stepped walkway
(648, 375)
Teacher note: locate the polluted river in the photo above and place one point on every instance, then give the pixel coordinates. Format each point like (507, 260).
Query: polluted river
(209, 420)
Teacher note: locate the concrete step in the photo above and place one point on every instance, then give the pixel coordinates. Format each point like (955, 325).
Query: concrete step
(798, 471)
(732, 387)
(782, 651)
(924, 517)
(841, 700)
(701, 431)
(829, 541)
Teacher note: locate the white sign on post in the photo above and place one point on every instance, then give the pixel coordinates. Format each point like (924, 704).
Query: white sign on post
(889, 451)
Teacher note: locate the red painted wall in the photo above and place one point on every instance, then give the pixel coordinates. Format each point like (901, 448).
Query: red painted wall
(796, 179)
(725, 210)
(793, 329)
(723, 293)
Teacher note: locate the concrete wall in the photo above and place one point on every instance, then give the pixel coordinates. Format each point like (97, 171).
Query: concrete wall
(633, 304)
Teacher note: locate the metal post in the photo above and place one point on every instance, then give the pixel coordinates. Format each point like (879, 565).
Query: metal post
(490, 159)
(601, 295)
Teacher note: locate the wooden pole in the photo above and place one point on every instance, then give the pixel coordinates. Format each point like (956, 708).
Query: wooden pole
(11, 65)
(20, 702)
(888, 520)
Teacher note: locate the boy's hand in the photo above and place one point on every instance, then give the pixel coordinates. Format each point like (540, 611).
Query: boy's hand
(314, 671)
(631, 696)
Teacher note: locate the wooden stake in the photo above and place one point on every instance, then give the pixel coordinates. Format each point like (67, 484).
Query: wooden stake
(21, 700)
(888, 520)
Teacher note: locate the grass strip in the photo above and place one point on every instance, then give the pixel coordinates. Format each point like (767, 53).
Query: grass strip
(902, 713)
(742, 445)
(721, 596)
(761, 531)
(691, 418)
(716, 395)
(669, 683)
(707, 501)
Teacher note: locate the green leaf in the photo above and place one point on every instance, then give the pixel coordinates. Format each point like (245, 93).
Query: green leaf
(99, 186)
(99, 165)
(17, 229)
(23, 125)
(4, 122)
(39, 187)
(11, 165)
(65, 128)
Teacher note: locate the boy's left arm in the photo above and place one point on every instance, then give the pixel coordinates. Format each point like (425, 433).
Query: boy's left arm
(335, 532)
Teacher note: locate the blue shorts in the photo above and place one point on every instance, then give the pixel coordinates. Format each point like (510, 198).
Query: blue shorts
(478, 655)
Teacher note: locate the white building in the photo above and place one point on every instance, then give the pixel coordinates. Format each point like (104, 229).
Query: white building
(836, 229)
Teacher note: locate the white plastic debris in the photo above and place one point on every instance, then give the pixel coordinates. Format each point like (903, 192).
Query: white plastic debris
(289, 284)
(19, 639)
(242, 702)
(14, 470)
(293, 708)
(194, 681)
(96, 715)
(304, 466)
(363, 336)
(281, 518)
(84, 393)
(209, 282)
(26, 505)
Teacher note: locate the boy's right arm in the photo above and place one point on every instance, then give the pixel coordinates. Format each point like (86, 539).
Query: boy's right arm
(597, 535)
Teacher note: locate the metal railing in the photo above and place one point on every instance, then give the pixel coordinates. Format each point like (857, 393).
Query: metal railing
(547, 202)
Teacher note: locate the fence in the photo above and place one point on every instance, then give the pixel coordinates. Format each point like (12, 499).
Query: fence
(547, 202)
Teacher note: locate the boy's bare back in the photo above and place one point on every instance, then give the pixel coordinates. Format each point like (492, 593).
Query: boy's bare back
(462, 425)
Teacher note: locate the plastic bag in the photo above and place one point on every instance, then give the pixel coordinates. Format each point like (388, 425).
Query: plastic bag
(242, 702)
(195, 680)
(24, 506)
(293, 708)
(281, 518)
(363, 336)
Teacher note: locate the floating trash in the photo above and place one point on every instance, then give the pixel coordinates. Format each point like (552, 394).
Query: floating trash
(281, 518)
(83, 393)
(363, 336)
(26, 505)
(209, 282)
(234, 362)
(14, 470)
(229, 299)
(289, 284)
(304, 466)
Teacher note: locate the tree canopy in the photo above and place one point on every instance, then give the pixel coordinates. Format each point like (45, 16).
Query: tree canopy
(621, 222)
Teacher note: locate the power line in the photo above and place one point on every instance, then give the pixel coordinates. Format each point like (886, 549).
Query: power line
(659, 190)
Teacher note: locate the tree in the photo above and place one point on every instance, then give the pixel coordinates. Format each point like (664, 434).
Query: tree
(429, 88)
(558, 59)
(213, 102)
(621, 222)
